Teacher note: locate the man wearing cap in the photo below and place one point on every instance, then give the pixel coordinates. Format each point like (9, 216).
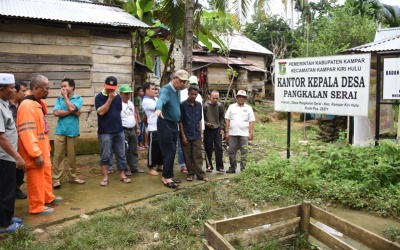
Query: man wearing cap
(110, 131)
(20, 88)
(131, 129)
(168, 110)
(34, 146)
(10, 159)
(214, 113)
(67, 109)
(184, 96)
(239, 127)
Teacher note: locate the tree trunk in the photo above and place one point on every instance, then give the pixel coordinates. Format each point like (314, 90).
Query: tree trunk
(163, 80)
(188, 35)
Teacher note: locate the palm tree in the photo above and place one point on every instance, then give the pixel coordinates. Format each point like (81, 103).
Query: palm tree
(391, 16)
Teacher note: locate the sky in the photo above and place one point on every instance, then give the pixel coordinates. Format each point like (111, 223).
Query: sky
(278, 8)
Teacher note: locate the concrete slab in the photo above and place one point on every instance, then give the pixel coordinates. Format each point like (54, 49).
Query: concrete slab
(90, 197)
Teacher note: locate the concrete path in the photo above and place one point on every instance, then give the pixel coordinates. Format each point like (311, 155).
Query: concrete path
(90, 197)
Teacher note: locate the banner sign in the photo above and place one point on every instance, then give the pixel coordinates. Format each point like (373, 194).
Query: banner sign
(335, 85)
(391, 79)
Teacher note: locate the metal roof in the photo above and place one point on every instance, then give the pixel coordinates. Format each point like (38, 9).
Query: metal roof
(69, 11)
(238, 42)
(392, 43)
(382, 34)
(252, 68)
(221, 60)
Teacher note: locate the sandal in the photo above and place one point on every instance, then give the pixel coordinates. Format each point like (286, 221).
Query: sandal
(104, 183)
(209, 170)
(126, 180)
(47, 210)
(189, 178)
(176, 180)
(110, 171)
(171, 184)
(56, 185)
(77, 181)
(184, 170)
(12, 228)
(203, 179)
(138, 171)
(220, 171)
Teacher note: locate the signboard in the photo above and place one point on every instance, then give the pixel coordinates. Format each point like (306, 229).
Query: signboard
(391, 79)
(336, 85)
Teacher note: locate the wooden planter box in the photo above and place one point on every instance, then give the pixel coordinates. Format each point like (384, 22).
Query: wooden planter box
(284, 222)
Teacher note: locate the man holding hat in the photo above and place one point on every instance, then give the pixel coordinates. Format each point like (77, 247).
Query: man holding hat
(110, 131)
(10, 159)
(239, 127)
(131, 129)
(169, 114)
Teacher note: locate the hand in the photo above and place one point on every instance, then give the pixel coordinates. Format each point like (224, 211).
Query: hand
(138, 132)
(20, 163)
(221, 132)
(184, 140)
(77, 113)
(202, 137)
(39, 161)
(250, 136)
(112, 95)
(157, 113)
(64, 93)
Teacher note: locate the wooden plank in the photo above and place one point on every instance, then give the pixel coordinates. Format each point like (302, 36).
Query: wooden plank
(305, 217)
(45, 49)
(42, 29)
(30, 38)
(287, 240)
(353, 231)
(107, 50)
(328, 239)
(100, 67)
(207, 246)
(53, 75)
(101, 77)
(255, 220)
(51, 100)
(84, 91)
(215, 239)
(112, 42)
(111, 59)
(110, 34)
(45, 59)
(33, 67)
(259, 61)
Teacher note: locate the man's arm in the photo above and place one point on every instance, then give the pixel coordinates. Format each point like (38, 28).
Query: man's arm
(184, 140)
(251, 133)
(227, 124)
(5, 144)
(102, 110)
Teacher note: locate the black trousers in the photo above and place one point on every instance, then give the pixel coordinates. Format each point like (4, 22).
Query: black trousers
(20, 177)
(154, 157)
(7, 192)
(213, 137)
(167, 137)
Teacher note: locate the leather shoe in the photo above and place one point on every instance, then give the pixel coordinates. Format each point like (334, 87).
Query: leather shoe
(19, 194)
(231, 171)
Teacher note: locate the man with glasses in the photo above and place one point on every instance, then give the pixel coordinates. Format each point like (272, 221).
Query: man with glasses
(239, 127)
(67, 109)
(169, 114)
(34, 146)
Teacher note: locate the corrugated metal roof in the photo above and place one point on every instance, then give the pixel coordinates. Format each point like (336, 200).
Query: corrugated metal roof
(392, 43)
(252, 68)
(69, 11)
(241, 43)
(382, 34)
(221, 60)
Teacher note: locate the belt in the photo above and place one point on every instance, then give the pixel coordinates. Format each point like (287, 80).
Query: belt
(127, 128)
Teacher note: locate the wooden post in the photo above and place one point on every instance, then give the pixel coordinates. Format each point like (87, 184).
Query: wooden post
(305, 212)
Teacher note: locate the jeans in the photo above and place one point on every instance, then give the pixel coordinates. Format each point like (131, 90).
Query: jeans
(113, 142)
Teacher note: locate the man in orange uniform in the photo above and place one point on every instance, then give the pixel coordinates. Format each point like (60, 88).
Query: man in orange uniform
(34, 146)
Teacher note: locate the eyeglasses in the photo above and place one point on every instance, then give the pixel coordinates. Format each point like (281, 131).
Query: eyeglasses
(46, 89)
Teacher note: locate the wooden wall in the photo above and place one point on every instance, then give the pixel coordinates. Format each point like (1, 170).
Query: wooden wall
(258, 60)
(86, 55)
(217, 78)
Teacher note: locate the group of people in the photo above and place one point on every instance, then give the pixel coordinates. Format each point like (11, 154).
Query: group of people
(161, 120)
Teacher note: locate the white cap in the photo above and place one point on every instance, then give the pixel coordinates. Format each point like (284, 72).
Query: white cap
(193, 80)
(242, 93)
(6, 78)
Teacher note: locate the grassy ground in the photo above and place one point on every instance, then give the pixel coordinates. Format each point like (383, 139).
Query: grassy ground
(175, 220)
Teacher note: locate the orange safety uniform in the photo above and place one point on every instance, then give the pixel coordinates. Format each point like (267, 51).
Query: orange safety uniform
(33, 141)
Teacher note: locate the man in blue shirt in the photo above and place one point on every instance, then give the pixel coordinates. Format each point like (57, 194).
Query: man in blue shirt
(110, 131)
(192, 135)
(67, 109)
(169, 114)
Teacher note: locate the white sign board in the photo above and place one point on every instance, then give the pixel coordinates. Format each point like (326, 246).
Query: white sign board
(391, 79)
(336, 85)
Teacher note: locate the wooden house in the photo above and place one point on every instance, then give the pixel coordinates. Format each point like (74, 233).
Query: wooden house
(76, 39)
(246, 57)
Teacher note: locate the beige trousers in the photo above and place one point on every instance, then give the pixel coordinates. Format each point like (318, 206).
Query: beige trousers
(64, 144)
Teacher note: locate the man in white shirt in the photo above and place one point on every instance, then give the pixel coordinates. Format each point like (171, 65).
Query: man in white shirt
(239, 127)
(154, 157)
(131, 130)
